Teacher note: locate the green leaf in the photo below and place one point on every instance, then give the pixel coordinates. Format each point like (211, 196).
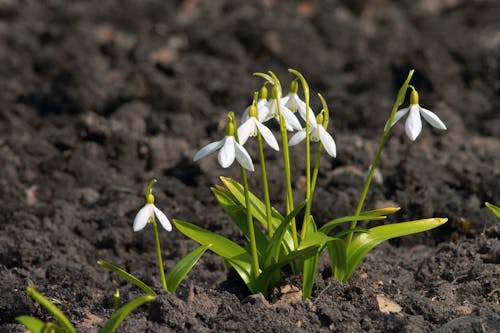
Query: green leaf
(33, 324)
(238, 214)
(258, 209)
(54, 310)
(237, 256)
(262, 283)
(274, 247)
(127, 276)
(179, 271)
(365, 242)
(494, 209)
(348, 231)
(327, 227)
(402, 91)
(116, 319)
(338, 261)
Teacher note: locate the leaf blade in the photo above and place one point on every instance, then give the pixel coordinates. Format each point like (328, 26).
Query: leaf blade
(33, 324)
(127, 276)
(54, 310)
(182, 268)
(116, 319)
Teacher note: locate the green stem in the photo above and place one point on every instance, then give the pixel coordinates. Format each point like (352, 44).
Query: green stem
(399, 100)
(288, 178)
(265, 186)
(253, 243)
(316, 169)
(158, 252)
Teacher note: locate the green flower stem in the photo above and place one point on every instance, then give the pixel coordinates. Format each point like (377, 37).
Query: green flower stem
(160, 260)
(316, 170)
(288, 178)
(265, 186)
(253, 243)
(385, 136)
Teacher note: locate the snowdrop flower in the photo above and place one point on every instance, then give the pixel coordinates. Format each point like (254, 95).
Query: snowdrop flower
(229, 150)
(250, 127)
(291, 122)
(294, 103)
(413, 125)
(318, 133)
(149, 211)
(262, 109)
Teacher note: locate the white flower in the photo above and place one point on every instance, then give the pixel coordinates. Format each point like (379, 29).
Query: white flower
(147, 213)
(294, 103)
(318, 133)
(413, 125)
(229, 150)
(291, 122)
(250, 127)
(262, 109)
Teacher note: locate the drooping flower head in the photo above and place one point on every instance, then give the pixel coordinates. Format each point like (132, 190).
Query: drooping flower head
(413, 125)
(229, 149)
(317, 134)
(262, 109)
(296, 104)
(252, 126)
(148, 213)
(291, 122)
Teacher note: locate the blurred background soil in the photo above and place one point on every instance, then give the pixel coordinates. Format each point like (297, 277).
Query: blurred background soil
(98, 97)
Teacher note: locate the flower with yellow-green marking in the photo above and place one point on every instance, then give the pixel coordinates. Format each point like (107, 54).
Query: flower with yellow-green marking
(295, 103)
(318, 133)
(252, 125)
(148, 212)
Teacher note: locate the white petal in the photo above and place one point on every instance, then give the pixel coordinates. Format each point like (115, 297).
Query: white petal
(243, 157)
(302, 112)
(413, 125)
(263, 109)
(165, 223)
(208, 149)
(268, 136)
(297, 137)
(142, 217)
(245, 129)
(432, 118)
(397, 116)
(328, 142)
(226, 154)
(291, 120)
(244, 117)
(286, 100)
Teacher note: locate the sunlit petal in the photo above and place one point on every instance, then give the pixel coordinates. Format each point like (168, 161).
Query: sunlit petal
(268, 136)
(302, 111)
(245, 129)
(226, 154)
(165, 223)
(400, 114)
(291, 120)
(208, 149)
(142, 217)
(243, 157)
(328, 142)
(432, 118)
(413, 125)
(297, 138)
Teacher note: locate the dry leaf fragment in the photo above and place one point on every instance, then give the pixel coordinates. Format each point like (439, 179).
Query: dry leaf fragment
(387, 305)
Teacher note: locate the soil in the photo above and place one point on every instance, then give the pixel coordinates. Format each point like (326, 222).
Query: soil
(98, 97)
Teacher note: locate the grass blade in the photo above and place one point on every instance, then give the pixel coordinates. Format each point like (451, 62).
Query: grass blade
(116, 319)
(33, 324)
(180, 270)
(494, 209)
(54, 310)
(365, 242)
(127, 276)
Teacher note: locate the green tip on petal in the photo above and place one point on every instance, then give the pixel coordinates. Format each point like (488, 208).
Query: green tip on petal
(230, 128)
(253, 111)
(319, 118)
(294, 86)
(263, 91)
(325, 111)
(413, 95)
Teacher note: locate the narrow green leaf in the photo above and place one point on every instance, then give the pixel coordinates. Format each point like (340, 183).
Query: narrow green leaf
(402, 91)
(180, 270)
(327, 227)
(365, 242)
(262, 283)
(238, 214)
(494, 209)
(275, 245)
(116, 319)
(54, 310)
(237, 256)
(258, 209)
(347, 231)
(337, 253)
(33, 324)
(127, 276)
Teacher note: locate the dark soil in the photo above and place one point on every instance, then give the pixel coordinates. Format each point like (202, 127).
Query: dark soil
(98, 97)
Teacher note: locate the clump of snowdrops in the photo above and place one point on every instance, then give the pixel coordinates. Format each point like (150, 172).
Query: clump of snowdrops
(274, 239)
